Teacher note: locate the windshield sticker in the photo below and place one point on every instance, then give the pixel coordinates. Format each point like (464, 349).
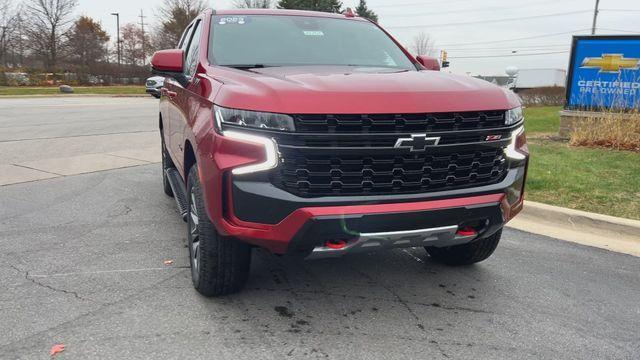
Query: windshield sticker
(237, 20)
(313, 33)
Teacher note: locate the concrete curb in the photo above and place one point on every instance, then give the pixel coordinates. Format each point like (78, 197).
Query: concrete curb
(74, 96)
(602, 231)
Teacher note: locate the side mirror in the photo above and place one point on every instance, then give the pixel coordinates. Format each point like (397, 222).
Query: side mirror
(429, 63)
(169, 63)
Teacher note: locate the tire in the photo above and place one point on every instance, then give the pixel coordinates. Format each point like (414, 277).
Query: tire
(466, 254)
(167, 163)
(219, 265)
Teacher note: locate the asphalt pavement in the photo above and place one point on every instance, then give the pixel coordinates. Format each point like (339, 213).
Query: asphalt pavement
(98, 261)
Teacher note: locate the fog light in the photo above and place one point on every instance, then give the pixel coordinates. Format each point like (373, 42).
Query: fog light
(517, 148)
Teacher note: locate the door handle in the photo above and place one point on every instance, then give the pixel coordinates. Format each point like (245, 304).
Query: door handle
(168, 93)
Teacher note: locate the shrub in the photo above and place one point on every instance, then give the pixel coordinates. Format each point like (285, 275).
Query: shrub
(616, 130)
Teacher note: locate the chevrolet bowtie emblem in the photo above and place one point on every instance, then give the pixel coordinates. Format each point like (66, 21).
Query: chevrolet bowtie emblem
(611, 63)
(417, 142)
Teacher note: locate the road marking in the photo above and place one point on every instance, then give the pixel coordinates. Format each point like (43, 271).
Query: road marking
(150, 155)
(98, 272)
(30, 168)
(14, 174)
(81, 164)
(77, 136)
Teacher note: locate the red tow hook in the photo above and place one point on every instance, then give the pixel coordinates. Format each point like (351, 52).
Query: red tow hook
(466, 231)
(336, 244)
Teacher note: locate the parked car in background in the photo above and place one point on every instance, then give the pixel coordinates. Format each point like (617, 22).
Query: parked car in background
(154, 84)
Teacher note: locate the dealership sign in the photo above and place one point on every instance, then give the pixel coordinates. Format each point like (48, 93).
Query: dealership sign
(604, 73)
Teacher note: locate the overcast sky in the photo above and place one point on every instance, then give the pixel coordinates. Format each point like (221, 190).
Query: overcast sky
(472, 31)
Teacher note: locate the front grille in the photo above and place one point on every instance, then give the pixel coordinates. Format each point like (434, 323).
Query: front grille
(399, 123)
(381, 140)
(312, 175)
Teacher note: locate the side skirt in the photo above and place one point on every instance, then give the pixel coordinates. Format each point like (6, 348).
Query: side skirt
(179, 192)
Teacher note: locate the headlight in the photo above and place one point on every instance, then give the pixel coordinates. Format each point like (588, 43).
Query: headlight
(261, 120)
(270, 148)
(514, 116)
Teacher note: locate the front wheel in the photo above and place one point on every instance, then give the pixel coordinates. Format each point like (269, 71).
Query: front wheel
(466, 254)
(219, 265)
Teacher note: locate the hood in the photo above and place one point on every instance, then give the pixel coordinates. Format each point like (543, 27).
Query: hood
(352, 90)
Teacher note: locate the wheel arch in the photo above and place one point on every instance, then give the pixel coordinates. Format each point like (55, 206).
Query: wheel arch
(189, 159)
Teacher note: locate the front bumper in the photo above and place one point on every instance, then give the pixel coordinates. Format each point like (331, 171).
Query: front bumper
(153, 91)
(308, 225)
(255, 211)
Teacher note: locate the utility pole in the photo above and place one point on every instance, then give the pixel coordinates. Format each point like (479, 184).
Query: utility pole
(144, 52)
(117, 15)
(596, 10)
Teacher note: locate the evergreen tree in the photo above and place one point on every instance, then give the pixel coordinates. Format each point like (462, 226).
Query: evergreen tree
(332, 6)
(252, 4)
(363, 11)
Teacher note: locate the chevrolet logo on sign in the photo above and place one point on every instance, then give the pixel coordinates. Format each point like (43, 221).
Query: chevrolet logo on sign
(611, 63)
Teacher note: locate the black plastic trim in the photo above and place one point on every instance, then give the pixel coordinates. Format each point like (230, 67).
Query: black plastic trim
(257, 200)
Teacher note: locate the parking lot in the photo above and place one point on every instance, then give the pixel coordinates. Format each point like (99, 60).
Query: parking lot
(93, 255)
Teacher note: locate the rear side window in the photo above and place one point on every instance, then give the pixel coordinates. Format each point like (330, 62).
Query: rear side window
(191, 61)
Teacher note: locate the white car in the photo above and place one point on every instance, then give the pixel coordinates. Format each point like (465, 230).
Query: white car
(153, 85)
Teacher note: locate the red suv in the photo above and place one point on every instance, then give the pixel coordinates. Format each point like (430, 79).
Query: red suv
(319, 135)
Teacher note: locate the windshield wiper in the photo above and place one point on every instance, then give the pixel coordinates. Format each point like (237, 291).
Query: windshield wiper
(247, 66)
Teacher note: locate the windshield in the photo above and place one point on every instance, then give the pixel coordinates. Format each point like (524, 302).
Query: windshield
(267, 40)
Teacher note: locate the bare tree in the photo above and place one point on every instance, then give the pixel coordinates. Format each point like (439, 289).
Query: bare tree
(177, 14)
(133, 51)
(8, 25)
(423, 44)
(49, 22)
(253, 4)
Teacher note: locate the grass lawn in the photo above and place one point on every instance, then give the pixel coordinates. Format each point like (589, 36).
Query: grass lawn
(542, 119)
(101, 90)
(595, 180)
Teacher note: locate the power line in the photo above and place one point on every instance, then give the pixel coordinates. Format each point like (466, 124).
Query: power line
(621, 10)
(490, 8)
(620, 30)
(515, 47)
(422, 3)
(516, 39)
(491, 21)
(507, 55)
